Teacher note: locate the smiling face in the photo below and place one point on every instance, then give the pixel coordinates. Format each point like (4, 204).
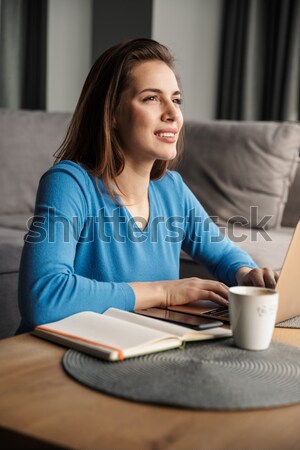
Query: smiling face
(149, 118)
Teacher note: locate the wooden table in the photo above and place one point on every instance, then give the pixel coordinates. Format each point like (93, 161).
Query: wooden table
(42, 407)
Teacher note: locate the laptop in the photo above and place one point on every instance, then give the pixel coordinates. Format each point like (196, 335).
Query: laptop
(287, 286)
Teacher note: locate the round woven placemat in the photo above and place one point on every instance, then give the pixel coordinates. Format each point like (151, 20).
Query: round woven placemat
(214, 376)
(294, 322)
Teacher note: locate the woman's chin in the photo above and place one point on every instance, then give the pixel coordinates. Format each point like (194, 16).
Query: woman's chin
(170, 155)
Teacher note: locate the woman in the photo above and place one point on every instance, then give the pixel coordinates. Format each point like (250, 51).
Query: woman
(110, 216)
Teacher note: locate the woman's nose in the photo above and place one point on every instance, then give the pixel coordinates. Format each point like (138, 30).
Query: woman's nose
(170, 112)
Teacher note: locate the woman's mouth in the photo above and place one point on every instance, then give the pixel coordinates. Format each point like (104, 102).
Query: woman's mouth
(166, 136)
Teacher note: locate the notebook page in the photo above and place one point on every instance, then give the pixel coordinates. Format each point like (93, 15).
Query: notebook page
(103, 329)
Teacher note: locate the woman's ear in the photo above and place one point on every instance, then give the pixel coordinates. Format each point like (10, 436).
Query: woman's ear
(115, 119)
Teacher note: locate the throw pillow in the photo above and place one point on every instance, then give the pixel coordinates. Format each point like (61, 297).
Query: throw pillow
(241, 171)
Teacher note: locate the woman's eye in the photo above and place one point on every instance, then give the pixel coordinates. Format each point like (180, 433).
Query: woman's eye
(151, 98)
(178, 101)
(154, 98)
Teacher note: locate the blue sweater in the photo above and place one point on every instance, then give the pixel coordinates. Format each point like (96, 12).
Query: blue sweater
(83, 249)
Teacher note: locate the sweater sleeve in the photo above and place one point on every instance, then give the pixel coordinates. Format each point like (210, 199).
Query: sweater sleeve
(206, 244)
(49, 288)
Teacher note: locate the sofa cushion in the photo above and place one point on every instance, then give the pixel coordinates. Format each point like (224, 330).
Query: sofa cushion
(291, 215)
(16, 221)
(11, 246)
(268, 248)
(10, 316)
(28, 140)
(241, 171)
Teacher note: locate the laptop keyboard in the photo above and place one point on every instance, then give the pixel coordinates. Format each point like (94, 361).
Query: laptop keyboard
(221, 312)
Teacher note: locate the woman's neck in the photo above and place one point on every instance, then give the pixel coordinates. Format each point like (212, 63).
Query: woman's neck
(133, 190)
(132, 185)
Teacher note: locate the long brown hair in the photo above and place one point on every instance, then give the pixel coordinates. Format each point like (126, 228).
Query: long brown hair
(91, 138)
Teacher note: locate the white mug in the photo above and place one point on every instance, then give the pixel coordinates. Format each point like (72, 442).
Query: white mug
(252, 315)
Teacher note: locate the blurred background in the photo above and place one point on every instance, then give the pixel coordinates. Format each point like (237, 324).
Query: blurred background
(237, 59)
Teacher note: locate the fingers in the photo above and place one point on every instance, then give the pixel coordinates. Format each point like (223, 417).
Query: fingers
(186, 290)
(254, 278)
(269, 278)
(216, 287)
(214, 297)
(265, 277)
(211, 290)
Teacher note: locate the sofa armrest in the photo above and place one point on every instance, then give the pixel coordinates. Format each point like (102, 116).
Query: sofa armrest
(291, 215)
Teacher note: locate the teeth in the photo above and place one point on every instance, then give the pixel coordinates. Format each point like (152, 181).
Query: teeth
(166, 134)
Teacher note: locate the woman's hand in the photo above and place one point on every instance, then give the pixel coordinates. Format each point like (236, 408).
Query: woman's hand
(178, 292)
(187, 290)
(265, 277)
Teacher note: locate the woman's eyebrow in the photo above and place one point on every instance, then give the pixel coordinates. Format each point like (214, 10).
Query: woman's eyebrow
(158, 91)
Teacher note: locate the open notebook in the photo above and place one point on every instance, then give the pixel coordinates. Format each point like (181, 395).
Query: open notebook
(116, 335)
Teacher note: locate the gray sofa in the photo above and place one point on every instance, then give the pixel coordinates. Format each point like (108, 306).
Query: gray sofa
(247, 176)
(28, 140)
(230, 166)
